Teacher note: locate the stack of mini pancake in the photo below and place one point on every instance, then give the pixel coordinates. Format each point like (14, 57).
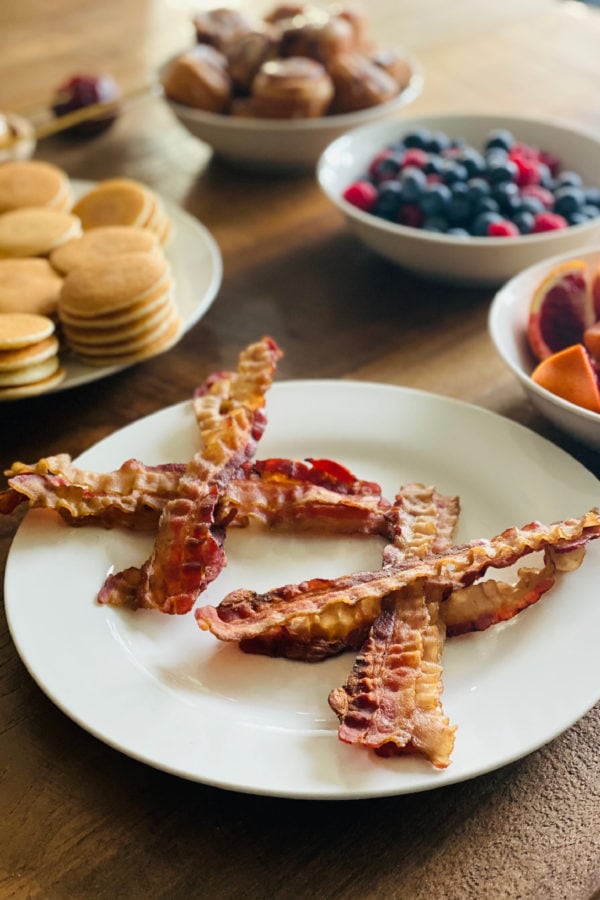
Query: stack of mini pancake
(122, 312)
(122, 201)
(96, 270)
(29, 361)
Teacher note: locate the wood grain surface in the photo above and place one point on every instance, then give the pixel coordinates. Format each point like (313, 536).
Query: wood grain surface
(81, 820)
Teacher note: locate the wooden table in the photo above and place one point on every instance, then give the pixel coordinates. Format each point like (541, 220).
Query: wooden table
(81, 820)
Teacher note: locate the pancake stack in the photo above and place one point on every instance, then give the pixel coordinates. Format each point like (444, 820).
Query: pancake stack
(119, 312)
(29, 362)
(122, 201)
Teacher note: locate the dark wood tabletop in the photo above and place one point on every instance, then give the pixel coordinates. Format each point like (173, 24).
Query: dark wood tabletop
(81, 819)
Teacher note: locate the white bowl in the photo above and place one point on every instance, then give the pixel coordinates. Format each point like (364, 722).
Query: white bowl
(508, 317)
(470, 260)
(282, 144)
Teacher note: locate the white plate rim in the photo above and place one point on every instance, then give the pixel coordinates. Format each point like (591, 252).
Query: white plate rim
(554, 458)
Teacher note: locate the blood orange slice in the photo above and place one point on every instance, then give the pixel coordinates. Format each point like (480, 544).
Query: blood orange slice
(561, 309)
(569, 374)
(595, 289)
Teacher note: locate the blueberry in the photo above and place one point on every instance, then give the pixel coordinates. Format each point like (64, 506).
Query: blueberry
(458, 232)
(546, 178)
(435, 199)
(389, 200)
(434, 164)
(507, 195)
(419, 137)
(485, 204)
(453, 171)
(478, 188)
(480, 225)
(387, 168)
(524, 222)
(531, 205)
(592, 212)
(438, 141)
(577, 218)
(472, 160)
(592, 196)
(413, 182)
(435, 223)
(459, 207)
(502, 171)
(500, 138)
(568, 200)
(568, 179)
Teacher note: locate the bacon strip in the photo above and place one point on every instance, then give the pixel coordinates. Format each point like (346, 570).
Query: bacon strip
(188, 551)
(274, 492)
(343, 604)
(391, 700)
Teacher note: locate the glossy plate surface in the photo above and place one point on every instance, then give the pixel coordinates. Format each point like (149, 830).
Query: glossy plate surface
(163, 692)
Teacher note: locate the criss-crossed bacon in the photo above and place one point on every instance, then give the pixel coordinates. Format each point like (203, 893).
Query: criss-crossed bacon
(188, 550)
(341, 605)
(391, 702)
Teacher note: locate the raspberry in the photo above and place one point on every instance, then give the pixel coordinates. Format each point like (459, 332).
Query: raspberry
(539, 193)
(528, 171)
(414, 156)
(548, 222)
(411, 215)
(502, 228)
(361, 194)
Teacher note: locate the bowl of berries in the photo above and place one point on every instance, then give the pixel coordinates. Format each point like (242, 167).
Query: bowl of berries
(545, 324)
(466, 198)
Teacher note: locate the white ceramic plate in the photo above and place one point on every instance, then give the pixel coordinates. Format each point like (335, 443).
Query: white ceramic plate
(163, 692)
(197, 269)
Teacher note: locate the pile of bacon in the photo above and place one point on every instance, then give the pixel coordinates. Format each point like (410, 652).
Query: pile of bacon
(395, 619)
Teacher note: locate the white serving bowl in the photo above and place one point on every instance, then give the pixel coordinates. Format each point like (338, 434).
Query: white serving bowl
(507, 322)
(470, 260)
(283, 144)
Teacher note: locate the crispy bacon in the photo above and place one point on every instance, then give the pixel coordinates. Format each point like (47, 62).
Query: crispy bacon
(130, 497)
(391, 699)
(343, 604)
(188, 551)
(420, 519)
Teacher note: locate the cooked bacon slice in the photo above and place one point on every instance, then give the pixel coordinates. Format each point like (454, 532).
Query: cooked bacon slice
(353, 601)
(188, 552)
(420, 519)
(274, 492)
(391, 700)
(489, 602)
(131, 497)
(305, 495)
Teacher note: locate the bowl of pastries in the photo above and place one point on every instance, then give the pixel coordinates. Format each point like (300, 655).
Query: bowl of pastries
(466, 198)
(274, 92)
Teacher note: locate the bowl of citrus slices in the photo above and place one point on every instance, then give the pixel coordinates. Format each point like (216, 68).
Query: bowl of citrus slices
(545, 324)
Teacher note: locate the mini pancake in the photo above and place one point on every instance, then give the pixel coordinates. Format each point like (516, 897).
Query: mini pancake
(31, 355)
(116, 201)
(32, 182)
(37, 387)
(128, 346)
(29, 374)
(160, 345)
(35, 231)
(117, 333)
(120, 317)
(20, 329)
(101, 243)
(29, 286)
(97, 289)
